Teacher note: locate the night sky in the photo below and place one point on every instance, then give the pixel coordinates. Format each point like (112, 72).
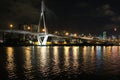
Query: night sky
(81, 16)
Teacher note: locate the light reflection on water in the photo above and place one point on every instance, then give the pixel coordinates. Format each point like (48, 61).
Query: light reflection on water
(67, 58)
(10, 65)
(75, 58)
(27, 62)
(44, 61)
(56, 61)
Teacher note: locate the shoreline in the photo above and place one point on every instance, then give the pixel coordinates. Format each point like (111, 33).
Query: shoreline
(82, 44)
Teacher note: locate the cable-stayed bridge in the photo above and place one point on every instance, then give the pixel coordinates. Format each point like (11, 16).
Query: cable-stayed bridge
(42, 37)
(39, 34)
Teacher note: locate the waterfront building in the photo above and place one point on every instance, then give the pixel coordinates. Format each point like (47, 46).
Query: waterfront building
(104, 35)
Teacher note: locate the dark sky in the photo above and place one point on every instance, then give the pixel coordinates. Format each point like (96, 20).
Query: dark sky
(81, 16)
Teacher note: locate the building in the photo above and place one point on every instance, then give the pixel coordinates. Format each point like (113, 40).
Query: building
(104, 35)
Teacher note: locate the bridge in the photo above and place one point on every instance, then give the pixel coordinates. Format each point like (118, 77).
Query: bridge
(42, 37)
(39, 34)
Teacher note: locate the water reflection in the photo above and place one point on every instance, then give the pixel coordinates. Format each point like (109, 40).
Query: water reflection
(89, 57)
(44, 61)
(75, 57)
(56, 67)
(10, 62)
(28, 64)
(93, 54)
(67, 58)
(43, 57)
(113, 60)
(99, 54)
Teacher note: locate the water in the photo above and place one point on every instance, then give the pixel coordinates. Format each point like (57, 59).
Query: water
(60, 63)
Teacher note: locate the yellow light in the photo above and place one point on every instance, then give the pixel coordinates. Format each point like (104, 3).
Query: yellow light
(48, 43)
(36, 43)
(66, 56)
(66, 33)
(56, 42)
(75, 34)
(56, 59)
(28, 28)
(10, 60)
(43, 30)
(27, 55)
(56, 32)
(65, 42)
(11, 26)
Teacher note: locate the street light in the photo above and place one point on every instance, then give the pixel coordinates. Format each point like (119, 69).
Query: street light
(11, 26)
(43, 30)
(75, 35)
(56, 32)
(28, 28)
(66, 33)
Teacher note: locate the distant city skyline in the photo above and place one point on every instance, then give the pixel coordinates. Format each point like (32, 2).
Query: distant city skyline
(83, 16)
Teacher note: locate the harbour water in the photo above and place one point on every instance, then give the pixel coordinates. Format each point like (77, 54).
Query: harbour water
(60, 63)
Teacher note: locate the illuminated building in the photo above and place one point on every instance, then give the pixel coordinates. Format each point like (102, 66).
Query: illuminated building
(104, 35)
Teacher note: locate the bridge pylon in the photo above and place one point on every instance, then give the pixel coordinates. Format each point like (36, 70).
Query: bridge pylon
(42, 19)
